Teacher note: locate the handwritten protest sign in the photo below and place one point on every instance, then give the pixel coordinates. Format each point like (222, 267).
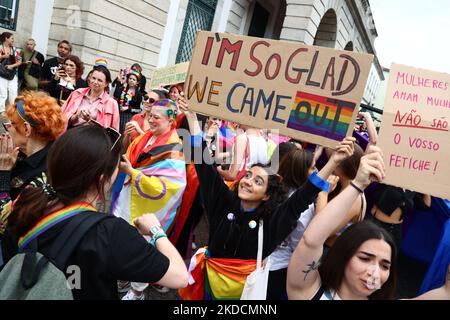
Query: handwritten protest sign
(305, 92)
(415, 136)
(169, 75)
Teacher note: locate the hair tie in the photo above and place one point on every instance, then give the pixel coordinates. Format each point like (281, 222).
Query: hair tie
(49, 191)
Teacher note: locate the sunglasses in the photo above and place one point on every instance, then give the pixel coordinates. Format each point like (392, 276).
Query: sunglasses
(7, 126)
(113, 134)
(148, 99)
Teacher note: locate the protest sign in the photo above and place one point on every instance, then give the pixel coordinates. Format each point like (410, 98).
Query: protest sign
(305, 92)
(415, 135)
(169, 75)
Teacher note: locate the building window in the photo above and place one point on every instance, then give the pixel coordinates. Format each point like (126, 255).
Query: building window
(8, 14)
(199, 16)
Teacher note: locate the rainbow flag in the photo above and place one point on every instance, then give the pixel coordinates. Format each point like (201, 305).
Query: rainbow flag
(321, 116)
(216, 278)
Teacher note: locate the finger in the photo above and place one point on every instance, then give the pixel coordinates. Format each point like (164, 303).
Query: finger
(10, 145)
(4, 145)
(375, 174)
(376, 164)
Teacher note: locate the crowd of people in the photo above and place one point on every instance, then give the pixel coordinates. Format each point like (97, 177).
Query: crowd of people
(107, 149)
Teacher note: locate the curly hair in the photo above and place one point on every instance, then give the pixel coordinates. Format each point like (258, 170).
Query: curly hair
(276, 191)
(79, 65)
(42, 110)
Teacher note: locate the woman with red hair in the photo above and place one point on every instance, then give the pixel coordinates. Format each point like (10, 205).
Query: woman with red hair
(34, 121)
(67, 79)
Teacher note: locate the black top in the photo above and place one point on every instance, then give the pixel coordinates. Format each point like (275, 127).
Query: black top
(62, 94)
(142, 84)
(110, 251)
(135, 103)
(229, 230)
(49, 70)
(25, 171)
(388, 198)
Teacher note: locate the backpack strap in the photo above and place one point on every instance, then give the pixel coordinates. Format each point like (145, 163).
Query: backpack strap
(62, 248)
(73, 232)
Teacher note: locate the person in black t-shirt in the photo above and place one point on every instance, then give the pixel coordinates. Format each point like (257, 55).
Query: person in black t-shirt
(82, 166)
(51, 65)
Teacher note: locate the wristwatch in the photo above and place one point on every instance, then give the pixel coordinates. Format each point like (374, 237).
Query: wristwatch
(157, 232)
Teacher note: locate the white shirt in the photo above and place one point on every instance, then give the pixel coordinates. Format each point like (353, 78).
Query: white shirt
(280, 258)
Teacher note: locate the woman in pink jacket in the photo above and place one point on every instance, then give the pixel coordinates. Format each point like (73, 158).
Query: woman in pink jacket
(93, 103)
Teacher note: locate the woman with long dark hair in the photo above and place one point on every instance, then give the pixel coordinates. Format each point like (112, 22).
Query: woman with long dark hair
(362, 264)
(235, 217)
(82, 166)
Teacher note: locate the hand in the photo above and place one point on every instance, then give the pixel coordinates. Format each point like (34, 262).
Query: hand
(5, 56)
(182, 104)
(333, 181)
(74, 119)
(371, 168)
(60, 74)
(125, 166)
(131, 126)
(124, 109)
(145, 223)
(9, 154)
(9, 67)
(85, 115)
(343, 151)
(35, 61)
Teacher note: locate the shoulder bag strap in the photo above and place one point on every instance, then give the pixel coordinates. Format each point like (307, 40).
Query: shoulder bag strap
(260, 244)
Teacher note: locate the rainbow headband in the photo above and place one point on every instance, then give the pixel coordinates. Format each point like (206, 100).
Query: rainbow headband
(21, 112)
(166, 103)
(101, 62)
(53, 219)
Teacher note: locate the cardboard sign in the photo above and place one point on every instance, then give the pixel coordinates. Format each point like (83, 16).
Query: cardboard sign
(415, 136)
(169, 75)
(305, 92)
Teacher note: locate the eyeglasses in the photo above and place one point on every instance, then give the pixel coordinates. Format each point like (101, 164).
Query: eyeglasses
(7, 126)
(113, 134)
(148, 99)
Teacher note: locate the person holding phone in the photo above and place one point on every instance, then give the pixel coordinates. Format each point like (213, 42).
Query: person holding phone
(67, 79)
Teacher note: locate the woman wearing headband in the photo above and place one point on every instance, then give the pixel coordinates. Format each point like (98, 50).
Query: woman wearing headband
(34, 121)
(154, 178)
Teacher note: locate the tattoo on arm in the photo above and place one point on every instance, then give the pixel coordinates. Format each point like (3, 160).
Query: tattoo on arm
(311, 267)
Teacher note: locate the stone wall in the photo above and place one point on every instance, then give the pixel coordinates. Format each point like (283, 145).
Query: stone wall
(122, 32)
(24, 24)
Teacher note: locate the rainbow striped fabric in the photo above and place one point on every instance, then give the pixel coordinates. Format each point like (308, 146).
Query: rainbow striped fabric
(157, 183)
(322, 116)
(216, 278)
(52, 219)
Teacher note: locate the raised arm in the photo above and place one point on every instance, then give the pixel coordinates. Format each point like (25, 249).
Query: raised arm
(371, 130)
(238, 158)
(213, 188)
(303, 279)
(284, 219)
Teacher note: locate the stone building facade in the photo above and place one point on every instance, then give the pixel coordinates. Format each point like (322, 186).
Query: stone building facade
(156, 33)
